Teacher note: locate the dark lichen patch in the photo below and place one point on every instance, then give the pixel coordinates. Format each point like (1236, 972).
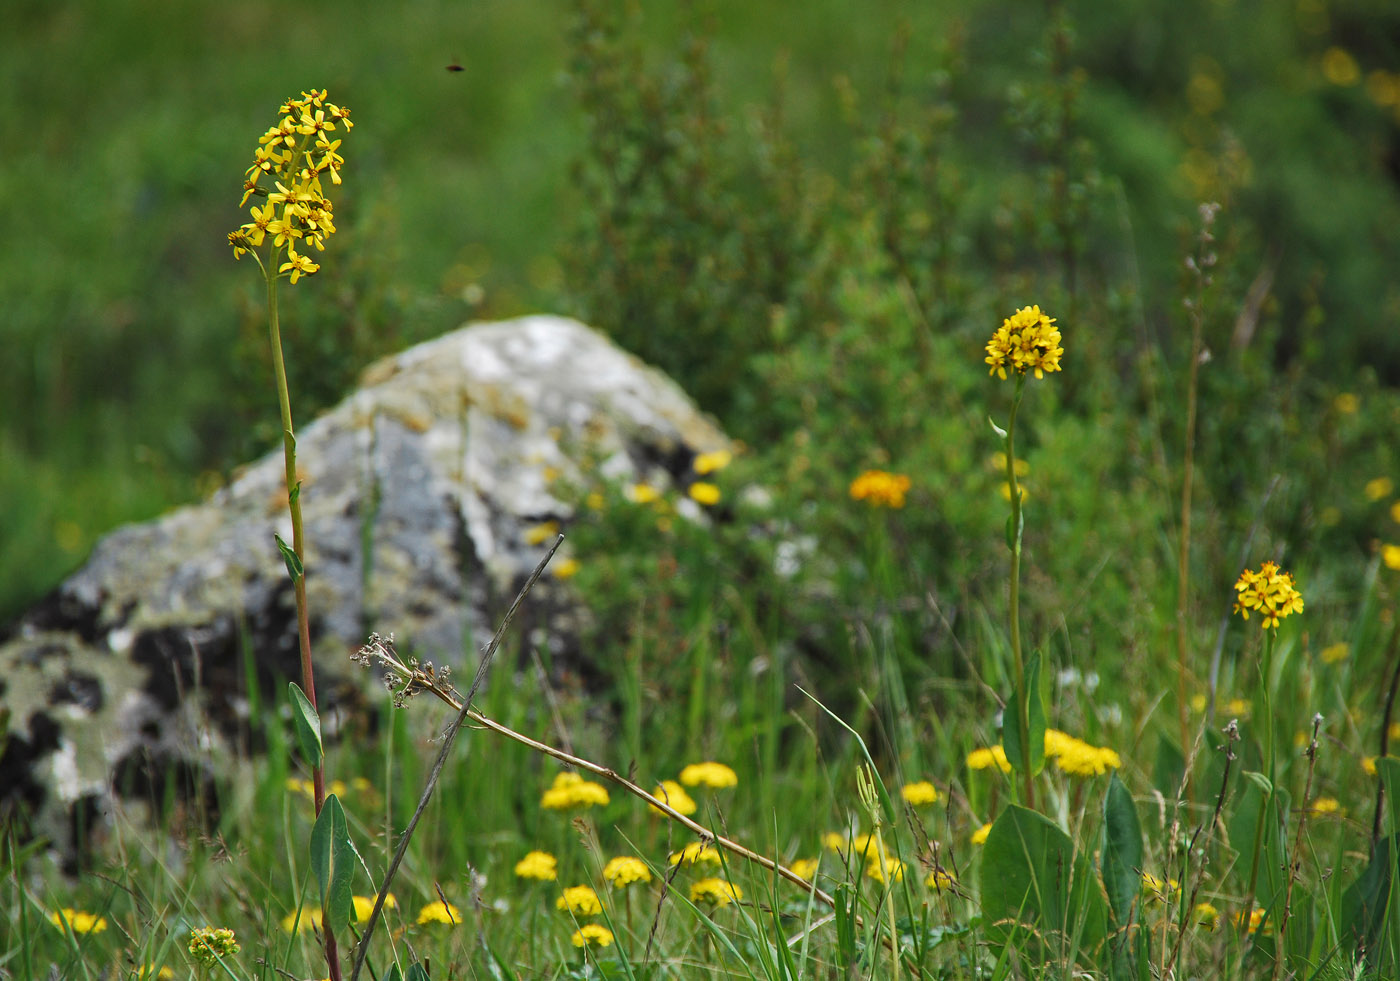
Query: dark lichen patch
(80, 689)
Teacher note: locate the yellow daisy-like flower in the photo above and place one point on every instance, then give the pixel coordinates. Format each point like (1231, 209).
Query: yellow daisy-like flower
(984, 758)
(570, 790)
(673, 794)
(703, 492)
(695, 853)
(592, 935)
(439, 912)
(77, 920)
(919, 794)
(580, 901)
(1378, 488)
(538, 865)
(1028, 340)
(364, 905)
(1368, 765)
(208, 944)
(880, 489)
(716, 892)
(805, 867)
(940, 880)
(1268, 592)
(979, 837)
(625, 870)
(712, 461)
(709, 775)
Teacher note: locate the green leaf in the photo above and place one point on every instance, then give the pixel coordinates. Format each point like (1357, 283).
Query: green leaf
(1365, 912)
(308, 726)
(417, 972)
(333, 859)
(289, 556)
(1122, 851)
(1026, 751)
(295, 494)
(1388, 769)
(393, 974)
(1036, 890)
(996, 429)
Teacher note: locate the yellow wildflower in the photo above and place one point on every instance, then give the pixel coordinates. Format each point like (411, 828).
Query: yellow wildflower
(1207, 915)
(695, 853)
(364, 905)
(673, 794)
(209, 944)
(1327, 805)
(580, 901)
(998, 464)
(78, 921)
(867, 846)
(712, 461)
(1390, 556)
(717, 892)
(1078, 758)
(940, 880)
(984, 758)
(625, 870)
(1335, 653)
(805, 867)
(703, 492)
(538, 865)
(890, 869)
(1028, 340)
(1378, 487)
(151, 971)
(570, 790)
(835, 841)
(709, 775)
(880, 489)
(439, 912)
(920, 793)
(1268, 592)
(306, 919)
(1250, 921)
(542, 532)
(643, 493)
(1159, 890)
(592, 935)
(565, 568)
(979, 837)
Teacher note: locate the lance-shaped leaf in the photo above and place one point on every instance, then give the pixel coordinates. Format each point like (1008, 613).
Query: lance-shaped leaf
(308, 725)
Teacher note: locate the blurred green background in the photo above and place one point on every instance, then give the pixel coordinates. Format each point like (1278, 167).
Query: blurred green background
(998, 153)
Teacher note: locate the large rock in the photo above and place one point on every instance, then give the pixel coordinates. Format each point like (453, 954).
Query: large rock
(417, 493)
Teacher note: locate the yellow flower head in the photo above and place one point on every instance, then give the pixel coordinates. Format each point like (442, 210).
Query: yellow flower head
(709, 775)
(1027, 340)
(673, 794)
(439, 912)
(364, 905)
(209, 944)
(564, 569)
(835, 841)
(625, 870)
(592, 935)
(1378, 487)
(1327, 805)
(293, 157)
(1159, 890)
(1078, 758)
(570, 790)
(1268, 592)
(1207, 915)
(306, 919)
(920, 793)
(940, 880)
(537, 865)
(805, 867)
(880, 489)
(889, 870)
(78, 921)
(695, 853)
(580, 901)
(716, 892)
(715, 460)
(1250, 921)
(704, 492)
(1390, 556)
(983, 758)
(979, 837)
(643, 493)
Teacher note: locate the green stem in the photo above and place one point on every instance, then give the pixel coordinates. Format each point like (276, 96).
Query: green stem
(1023, 710)
(1267, 722)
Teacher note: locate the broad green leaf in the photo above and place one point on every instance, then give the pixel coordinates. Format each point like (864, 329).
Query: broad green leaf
(308, 725)
(1122, 851)
(1037, 893)
(1388, 769)
(289, 556)
(417, 972)
(333, 858)
(1026, 755)
(1365, 908)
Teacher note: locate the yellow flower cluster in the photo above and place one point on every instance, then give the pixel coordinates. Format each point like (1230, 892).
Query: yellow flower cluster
(1078, 758)
(1027, 340)
(439, 912)
(940, 880)
(570, 790)
(984, 758)
(1268, 592)
(880, 489)
(716, 892)
(695, 853)
(580, 901)
(625, 870)
(672, 794)
(538, 865)
(709, 775)
(294, 155)
(209, 944)
(78, 921)
(919, 794)
(592, 935)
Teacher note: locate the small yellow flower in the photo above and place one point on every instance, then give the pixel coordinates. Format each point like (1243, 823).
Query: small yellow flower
(298, 264)
(580, 901)
(78, 921)
(1198, 703)
(307, 919)
(1390, 556)
(695, 853)
(835, 841)
(1327, 805)
(1028, 340)
(1268, 592)
(209, 944)
(439, 912)
(592, 935)
(1159, 890)
(1250, 921)
(625, 870)
(1207, 915)
(1378, 488)
(805, 867)
(979, 837)
(538, 865)
(565, 568)
(151, 971)
(364, 905)
(1078, 758)
(717, 892)
(1238, 707)
(570, 790)
(542, 532)
(919, 794)
(1335, 653)
(643, 493)
(880, 489)
(891, 869)
(868, 847)
(709, 775)
(940, 880)
(703, 492)
(984, 758)
(715, 460)
(673, 794)
(1346, 404)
